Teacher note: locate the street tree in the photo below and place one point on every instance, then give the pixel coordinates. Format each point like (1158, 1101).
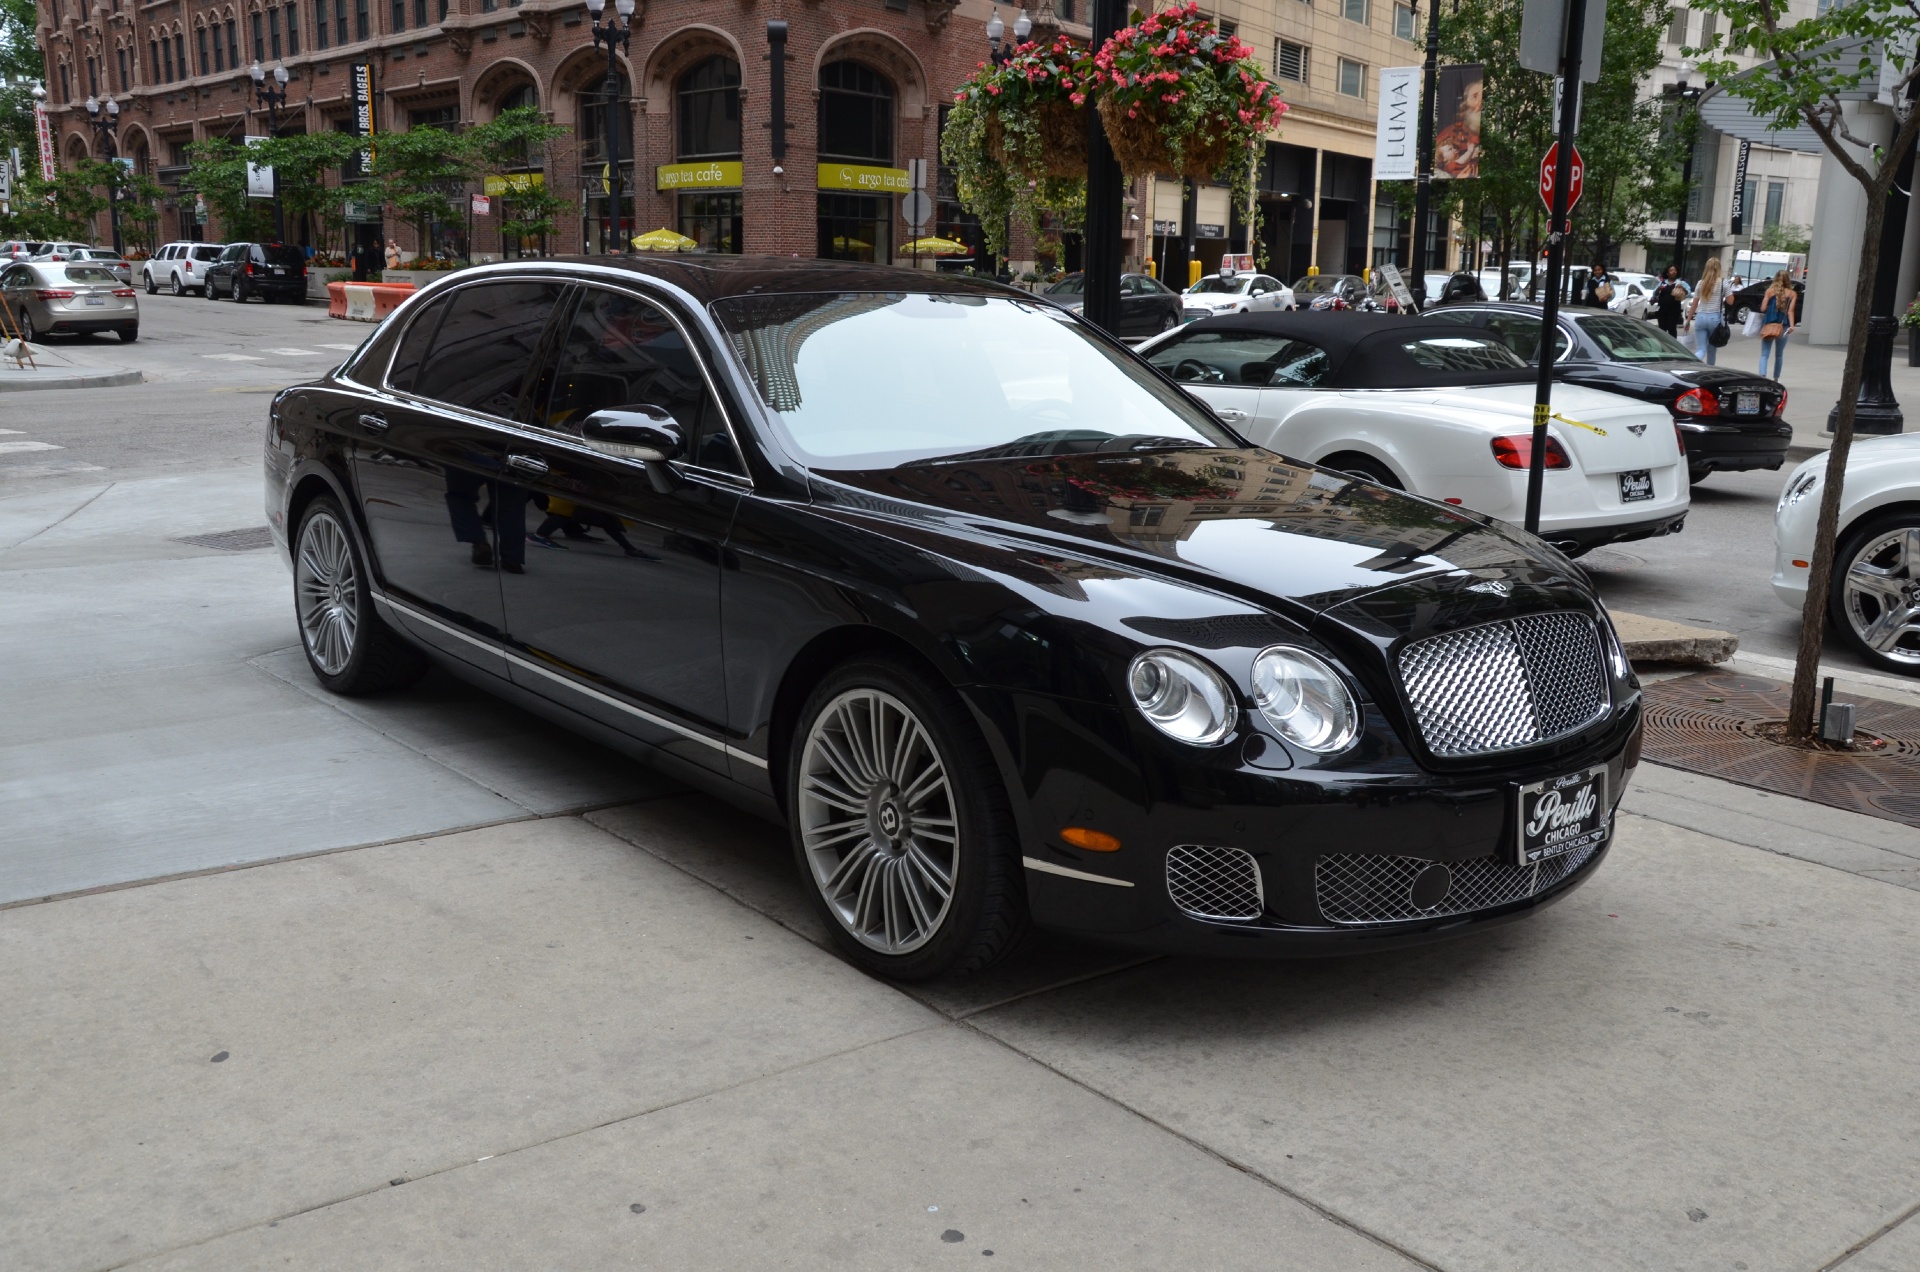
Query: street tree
(301, 163)
(217, 172)
(1812, 65)
(510, 146)
(419, 173)
(140, 197)
(20, 67)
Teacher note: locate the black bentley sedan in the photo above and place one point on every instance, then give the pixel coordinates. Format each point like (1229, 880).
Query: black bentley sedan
(1731, 419)
(1002, 625)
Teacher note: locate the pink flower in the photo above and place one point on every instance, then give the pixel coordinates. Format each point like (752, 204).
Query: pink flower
(994, 89)
(1079, 99)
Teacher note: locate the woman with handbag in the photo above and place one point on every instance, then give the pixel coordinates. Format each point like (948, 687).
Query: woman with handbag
(1777, 322)
(1709, 314)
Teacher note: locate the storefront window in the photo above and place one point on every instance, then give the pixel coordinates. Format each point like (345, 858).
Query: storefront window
(855, 124)
(713, 220)
(710, 110)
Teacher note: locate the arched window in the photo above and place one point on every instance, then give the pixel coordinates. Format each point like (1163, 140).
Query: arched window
(856, 113)
(525, 95)
(709, 110)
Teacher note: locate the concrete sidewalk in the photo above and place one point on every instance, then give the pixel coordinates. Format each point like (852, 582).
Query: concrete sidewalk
(69, 365)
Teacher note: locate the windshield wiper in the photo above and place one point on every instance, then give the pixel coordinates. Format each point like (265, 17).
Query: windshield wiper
(1073, 442)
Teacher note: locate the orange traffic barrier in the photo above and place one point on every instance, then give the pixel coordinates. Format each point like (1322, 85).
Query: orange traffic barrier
(365, 302)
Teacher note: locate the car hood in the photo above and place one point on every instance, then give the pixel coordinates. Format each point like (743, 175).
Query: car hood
(1281, 535)
(1213, 300)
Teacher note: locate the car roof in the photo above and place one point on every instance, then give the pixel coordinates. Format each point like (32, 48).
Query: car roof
(1363, 350)
(718, 277)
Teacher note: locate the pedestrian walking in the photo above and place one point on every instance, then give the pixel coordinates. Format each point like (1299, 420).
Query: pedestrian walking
(1670, 301)
(1777, 321)
(1596, 289)
(393, 254)
(1709, 313)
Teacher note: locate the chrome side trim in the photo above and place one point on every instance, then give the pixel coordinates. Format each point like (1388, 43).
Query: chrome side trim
(607, 699)
(1047, 867)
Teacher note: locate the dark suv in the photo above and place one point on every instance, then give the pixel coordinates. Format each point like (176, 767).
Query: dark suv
(272, 271)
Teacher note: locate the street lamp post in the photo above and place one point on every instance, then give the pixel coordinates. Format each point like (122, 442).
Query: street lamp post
(1000, 52)
(615, 37)
(1423, 180)
(1682, 94)
(273, 99)
(104, 122)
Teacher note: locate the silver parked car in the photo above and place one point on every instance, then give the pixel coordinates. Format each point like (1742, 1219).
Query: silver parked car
(106, 258)
(70, 299)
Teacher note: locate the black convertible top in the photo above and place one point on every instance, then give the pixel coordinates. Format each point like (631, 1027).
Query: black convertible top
(1369, 351)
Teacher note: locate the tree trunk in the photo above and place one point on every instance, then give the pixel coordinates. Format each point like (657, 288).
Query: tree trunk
(1813, 614)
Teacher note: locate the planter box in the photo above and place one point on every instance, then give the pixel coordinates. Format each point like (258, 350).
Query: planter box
(418, 277)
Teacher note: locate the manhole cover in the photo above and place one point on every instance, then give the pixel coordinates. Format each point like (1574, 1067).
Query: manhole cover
(1714, 723)
(232, 540)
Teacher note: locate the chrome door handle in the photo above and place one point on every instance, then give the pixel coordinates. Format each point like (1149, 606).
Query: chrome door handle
(531, 464)
(1230, 415)
(374, 423)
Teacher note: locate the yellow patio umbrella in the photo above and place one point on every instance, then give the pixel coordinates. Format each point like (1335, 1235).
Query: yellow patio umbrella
(847, 243)
(935, 246)
(663, 240)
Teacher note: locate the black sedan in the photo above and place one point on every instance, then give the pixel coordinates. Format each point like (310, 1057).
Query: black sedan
(1147, 305)
(1005, 628)
(1731, 419)
(1753, 298)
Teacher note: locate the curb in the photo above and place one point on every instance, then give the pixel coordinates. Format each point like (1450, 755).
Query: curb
(1658, 640)
(101, 380)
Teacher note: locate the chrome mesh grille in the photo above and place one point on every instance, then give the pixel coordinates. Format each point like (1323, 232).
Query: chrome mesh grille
(1215, 883)
(1505, 685)
(1356, 889)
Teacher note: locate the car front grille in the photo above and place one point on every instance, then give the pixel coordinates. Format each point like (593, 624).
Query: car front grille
(1353, 889)
(1215, 883)
(1504, 685)
(1195, 315)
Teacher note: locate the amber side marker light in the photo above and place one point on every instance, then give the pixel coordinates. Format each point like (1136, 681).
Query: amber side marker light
(1800, 565)
(1091, 840)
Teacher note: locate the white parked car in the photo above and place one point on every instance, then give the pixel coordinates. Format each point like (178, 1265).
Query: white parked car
(180, 267)
(1440, 410)
(1874, 601)
(1632, 293)
(1235, 294)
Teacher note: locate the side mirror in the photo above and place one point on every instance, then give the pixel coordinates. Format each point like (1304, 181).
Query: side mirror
(646, 433)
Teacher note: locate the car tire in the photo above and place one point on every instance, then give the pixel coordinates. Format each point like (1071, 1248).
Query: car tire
(909, 887)
(1364, 467)
(27, 332)
(1168, 325)
(1884, 556)
(350, 650)
(129, 334)
(1738, 316)
(239, 296)
(175, 286)
(153, 288)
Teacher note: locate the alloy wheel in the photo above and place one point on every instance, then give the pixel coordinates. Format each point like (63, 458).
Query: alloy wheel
(177, 288)
(326, 585)
(1881, 594)
(877, 821)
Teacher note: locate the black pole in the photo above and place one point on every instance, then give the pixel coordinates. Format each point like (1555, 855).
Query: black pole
(113, 188)
(1104, 209)
(273, 130)
(1423, 188)
(1556, 258)
(1692, 132)
(1876, 410)
(613, 35)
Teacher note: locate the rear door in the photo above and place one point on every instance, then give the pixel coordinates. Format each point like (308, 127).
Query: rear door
(442, 511)
(618, 610)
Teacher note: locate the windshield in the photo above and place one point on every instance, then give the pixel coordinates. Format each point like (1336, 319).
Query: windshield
(1223, 286)
(1625, 340)
(1072, 285)
(876, 380)
(89, 274)
(1320, 282)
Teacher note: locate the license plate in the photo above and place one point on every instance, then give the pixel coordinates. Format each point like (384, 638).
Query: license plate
(96, 300)
(1635, 486)
(1562, 815)
(279, 269)
(1746, 404)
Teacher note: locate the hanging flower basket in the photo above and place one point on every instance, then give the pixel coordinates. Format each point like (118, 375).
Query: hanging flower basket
(1035, 108)
(1178, 96)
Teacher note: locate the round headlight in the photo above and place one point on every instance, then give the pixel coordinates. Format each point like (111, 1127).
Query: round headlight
(1304, 699)
(1182, 696)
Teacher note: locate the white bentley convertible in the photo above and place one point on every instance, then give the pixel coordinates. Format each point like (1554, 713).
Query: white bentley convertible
(1426, 406)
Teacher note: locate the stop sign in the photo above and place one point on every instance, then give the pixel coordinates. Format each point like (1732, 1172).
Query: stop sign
(1550, 166)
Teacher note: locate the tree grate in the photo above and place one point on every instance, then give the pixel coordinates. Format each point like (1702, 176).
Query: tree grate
(1714, 723)
(247, 540)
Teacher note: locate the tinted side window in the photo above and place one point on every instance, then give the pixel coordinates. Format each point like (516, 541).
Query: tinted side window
(486, 345)
(414, 345)
(236, 252)
(623, 351)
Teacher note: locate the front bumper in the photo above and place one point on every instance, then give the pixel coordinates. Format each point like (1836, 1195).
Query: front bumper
(1322, 839)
